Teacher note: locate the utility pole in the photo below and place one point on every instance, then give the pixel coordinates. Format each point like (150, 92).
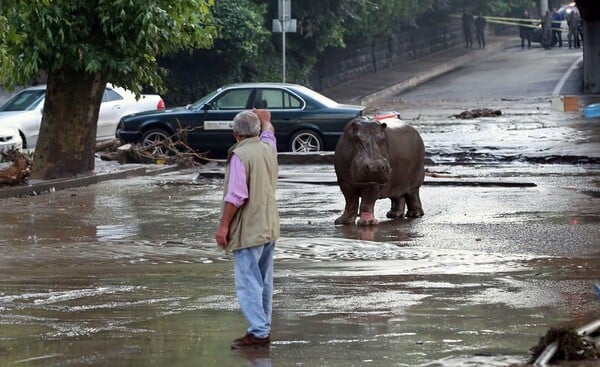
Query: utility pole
(543, 7)
(283, 24)
(284, 17)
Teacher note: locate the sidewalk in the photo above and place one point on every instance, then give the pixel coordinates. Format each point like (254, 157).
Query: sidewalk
(396, 79)
(104, 171)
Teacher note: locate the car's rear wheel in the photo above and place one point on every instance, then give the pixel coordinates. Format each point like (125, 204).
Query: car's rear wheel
(306, 141)
(160, 141)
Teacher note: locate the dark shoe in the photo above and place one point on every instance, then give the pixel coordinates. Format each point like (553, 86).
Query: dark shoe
(251, 341)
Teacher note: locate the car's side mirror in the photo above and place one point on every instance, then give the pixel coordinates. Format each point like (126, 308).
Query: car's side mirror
(208, 107)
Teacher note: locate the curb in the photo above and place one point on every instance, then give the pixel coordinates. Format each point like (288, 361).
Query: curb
(412, 82)
(39, 187)
(434, 72)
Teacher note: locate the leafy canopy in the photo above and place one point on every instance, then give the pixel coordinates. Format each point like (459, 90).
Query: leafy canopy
(120, 39)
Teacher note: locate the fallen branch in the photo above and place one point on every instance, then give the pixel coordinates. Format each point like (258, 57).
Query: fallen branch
(173, 150)
(108, 145)
(18, 172)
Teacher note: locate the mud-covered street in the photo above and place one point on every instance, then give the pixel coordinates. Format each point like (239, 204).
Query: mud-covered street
(127, 273)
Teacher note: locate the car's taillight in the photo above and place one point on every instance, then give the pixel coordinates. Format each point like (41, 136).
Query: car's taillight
(160, 105)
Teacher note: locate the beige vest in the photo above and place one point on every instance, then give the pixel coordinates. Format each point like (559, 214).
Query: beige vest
(257, 221)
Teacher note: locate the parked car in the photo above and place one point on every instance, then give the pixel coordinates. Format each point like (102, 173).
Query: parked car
(24, 111)
(10, 138)
(304, 120)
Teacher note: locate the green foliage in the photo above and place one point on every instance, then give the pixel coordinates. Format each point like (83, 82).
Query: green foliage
(495, 7)
(387, 17)
(241, 39)
(119, 39)
(241, 31)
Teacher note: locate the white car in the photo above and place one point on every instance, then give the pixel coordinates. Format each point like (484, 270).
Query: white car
(10, 139)
(24, 111)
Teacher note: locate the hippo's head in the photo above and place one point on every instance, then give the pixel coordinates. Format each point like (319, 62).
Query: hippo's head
(369, 143)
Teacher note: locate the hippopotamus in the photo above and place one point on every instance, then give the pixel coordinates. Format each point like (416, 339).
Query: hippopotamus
(375, 160)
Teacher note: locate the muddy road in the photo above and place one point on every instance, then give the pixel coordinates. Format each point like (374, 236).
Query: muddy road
(126, 272)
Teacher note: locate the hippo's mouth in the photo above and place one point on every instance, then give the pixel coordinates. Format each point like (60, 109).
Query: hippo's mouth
(371, 179)
(370, 172)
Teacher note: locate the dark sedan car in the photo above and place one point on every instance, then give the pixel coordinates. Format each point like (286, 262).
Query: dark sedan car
(304, 120)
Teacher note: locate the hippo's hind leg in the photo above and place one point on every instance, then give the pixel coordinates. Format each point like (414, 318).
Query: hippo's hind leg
(397, 208)
(413, 204)
(351, 209)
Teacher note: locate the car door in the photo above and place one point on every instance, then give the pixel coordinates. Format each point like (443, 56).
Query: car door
(110, 112)
(286, 112)
(217, 134)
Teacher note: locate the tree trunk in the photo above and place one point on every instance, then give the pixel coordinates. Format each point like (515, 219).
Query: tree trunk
(590, 12)
(591, 56)
(67, 140)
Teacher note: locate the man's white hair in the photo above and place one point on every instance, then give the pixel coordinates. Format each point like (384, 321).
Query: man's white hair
(246, 124)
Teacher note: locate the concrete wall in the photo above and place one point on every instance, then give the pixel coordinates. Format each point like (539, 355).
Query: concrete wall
(338, 65)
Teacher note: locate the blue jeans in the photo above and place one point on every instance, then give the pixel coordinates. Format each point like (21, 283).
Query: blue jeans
(253, 267)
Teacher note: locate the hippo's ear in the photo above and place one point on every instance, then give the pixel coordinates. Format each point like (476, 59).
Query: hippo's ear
(353, 126)
(383, 125)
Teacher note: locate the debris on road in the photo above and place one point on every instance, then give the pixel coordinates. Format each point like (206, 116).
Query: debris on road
(592, 111)
(169, 151)
(479, 112)
(18, 172)
(568, 344)
(434, 174)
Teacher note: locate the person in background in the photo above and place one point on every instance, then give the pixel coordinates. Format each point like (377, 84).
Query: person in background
(467, 20)
(480, 24)
(556, 30)
(525, 30)
(249, 223)
(573, 24)
(547, 31)
(580, 30)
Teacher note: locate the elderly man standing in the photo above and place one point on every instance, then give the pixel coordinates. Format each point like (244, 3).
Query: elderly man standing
(249, 222)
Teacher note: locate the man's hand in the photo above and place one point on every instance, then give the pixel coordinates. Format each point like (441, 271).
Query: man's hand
(221, 236)
(265, 119)
(263, 115)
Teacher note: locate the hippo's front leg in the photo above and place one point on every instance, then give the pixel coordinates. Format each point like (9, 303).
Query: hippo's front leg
(397, 208)
(351, 207)
(367, 206)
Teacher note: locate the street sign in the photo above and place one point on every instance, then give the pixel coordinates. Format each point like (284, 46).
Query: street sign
(290, 25)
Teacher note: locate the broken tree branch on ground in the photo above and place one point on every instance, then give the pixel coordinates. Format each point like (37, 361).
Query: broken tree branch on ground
(173, 150)
(18, 172)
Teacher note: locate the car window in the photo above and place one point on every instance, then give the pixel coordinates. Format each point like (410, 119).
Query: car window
(279, 99)
(25, 100)
(328, 102)
(235, 99)
(110, 95)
